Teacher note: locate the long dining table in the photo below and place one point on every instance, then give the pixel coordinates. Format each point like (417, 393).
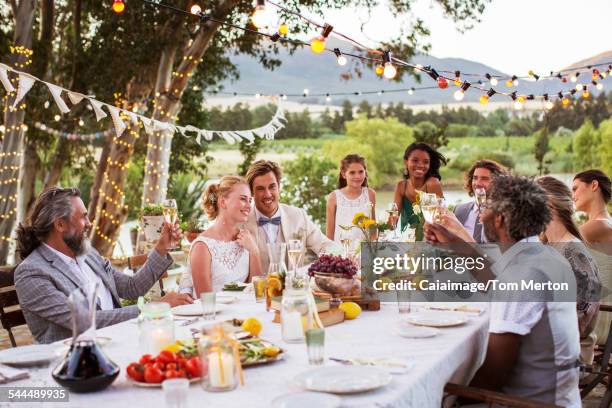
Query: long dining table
(453, 355)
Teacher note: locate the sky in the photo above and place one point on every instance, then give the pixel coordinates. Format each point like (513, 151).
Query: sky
(514, 36)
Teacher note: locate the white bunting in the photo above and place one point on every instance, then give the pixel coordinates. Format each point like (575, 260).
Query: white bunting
(5, 79)
(74, 97)
(56, 92)
(97, 107)
(25, 84)
(117, 121)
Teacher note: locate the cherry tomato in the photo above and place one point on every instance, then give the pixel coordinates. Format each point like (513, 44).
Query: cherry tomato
(153, 375)
(182, 362)
(148, 365)
(171, 366)
(166, 357)
(171, 374)
(135, 371)
(159, 365)
(145, 358)
(181, 374)
(194, 367)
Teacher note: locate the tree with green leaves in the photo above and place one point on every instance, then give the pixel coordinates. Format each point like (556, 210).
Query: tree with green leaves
(585, 145)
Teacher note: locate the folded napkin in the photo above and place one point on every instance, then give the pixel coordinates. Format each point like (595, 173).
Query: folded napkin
(392, 365)
(10, 374)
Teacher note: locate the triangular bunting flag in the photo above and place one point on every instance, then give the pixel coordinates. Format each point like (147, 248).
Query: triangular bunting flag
(25, 84)
(56, 92)
(133, 117)
(117, 121)
(74, 97)
(5, 79)
(97, 107)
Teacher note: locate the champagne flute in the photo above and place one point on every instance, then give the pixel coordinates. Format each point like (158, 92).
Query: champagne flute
(440, 209)
(294, 252)
(393, 216)
(170, 212)
(481, 197)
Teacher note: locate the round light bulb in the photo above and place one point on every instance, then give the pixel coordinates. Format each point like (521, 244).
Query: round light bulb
(260, 17)
(599, 86)
(2, 128)
(342, 60)
(57, 118)
(515, 82)
(410, 92)
(317, 45)
(118, 6)
(484, 99)
(283, 29)
(306, 91)
(578, 87)
(459, 94)
(284, 97)
(549, 105)
(573, 78)
(379, 70)
(195, 9)
(442, 83)
(389, 71)
(257, 96)
(457, 82)
(586, 94)
(565, 101)
(509, 83)
(518, 105)
(328, 99)
(81, 123)
(493, 81)
(46, 104)
(521, 99)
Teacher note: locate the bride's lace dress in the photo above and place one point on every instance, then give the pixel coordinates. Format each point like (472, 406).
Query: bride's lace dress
(230, 263)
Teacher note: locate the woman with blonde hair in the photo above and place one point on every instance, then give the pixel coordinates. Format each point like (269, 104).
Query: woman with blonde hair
(563, 234)
(225, 252)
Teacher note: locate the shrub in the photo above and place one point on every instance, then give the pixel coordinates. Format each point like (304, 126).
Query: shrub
(307, 181)
(585, 145)
(464, 162)
(187, 190)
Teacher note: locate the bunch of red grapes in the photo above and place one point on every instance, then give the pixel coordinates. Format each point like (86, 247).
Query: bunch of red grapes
(333, 264)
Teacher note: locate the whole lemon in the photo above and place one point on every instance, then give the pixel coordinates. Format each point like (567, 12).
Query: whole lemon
(351, 310)
(252, 325)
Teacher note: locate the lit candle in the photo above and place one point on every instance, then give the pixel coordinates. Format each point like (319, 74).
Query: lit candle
(160, 338)
(292, 326)
(221, 370)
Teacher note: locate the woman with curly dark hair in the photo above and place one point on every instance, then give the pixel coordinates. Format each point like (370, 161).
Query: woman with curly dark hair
(422, 174)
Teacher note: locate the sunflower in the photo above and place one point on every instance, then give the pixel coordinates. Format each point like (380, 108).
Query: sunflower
(358, 217)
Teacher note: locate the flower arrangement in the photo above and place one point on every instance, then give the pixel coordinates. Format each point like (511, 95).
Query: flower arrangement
(370, 228)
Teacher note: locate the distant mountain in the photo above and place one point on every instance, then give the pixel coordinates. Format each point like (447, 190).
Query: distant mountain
(321, 74)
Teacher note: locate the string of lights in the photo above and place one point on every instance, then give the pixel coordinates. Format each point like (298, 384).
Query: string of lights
(72, 136)
(386, 65)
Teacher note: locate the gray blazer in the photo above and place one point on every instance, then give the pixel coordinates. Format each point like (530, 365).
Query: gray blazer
(44, 282)
(462, 212)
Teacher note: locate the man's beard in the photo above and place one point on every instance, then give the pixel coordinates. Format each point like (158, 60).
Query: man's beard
(78, 243)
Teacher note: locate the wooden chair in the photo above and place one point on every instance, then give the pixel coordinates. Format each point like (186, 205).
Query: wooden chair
(601, 373)
(492, 397)
(136, 261)
(10, 312)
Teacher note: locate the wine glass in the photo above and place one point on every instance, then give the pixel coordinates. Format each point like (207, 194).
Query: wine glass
(440, 209)
(346, 239)
(170, 211)
(428, 203)
(393, 216)
(481, 196)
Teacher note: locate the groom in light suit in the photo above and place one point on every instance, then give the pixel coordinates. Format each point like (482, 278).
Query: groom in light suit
(480, 175)
(272, 222)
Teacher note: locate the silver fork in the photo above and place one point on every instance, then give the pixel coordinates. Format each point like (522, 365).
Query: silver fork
(190, 321)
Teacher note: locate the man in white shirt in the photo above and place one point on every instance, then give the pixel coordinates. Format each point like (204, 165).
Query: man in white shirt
(533, 345)
(273, 222)
(479, 176)
(58, 259)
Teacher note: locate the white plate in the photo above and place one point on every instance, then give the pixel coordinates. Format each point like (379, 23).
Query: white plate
(307, 400)
(35, 354)
(415, 332)
(343, 379)
(194, 309)
(437, 319)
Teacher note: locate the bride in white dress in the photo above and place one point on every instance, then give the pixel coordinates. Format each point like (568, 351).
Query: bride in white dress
(225, 252)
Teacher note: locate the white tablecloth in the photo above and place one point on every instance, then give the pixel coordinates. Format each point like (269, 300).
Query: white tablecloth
(453, 355)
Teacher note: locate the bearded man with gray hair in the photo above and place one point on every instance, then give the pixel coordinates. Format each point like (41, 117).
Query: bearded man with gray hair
(58, 259)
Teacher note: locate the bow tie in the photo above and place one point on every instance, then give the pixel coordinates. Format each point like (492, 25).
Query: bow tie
(265, 220)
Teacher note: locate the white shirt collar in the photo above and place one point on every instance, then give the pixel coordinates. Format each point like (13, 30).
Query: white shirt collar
(511, 253)
(62, 255)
